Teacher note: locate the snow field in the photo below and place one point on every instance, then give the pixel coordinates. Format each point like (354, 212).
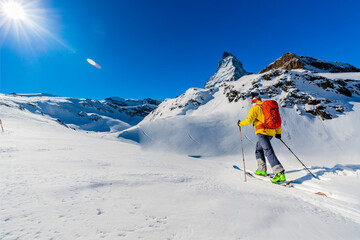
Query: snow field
(62, 184)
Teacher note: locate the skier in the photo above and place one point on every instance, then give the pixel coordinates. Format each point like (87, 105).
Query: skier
(263, 145)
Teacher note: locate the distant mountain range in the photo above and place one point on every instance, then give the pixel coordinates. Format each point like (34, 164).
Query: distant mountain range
(109, 115)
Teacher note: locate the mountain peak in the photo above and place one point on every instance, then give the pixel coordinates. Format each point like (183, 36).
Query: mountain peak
(288, 61)
(227, 54)
(229, 69)
(291, 61)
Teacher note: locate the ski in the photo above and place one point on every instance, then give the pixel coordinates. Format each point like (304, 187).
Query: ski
(288, 184)
(267, 178)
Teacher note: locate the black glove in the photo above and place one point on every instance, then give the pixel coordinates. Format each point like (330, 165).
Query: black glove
(239, 122)
(278, 136)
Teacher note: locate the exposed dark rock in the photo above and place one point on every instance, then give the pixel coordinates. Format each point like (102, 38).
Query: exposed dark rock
(326, 84)
(313, 101)
(254, 94)
(339, 109)
(340, 82)
(227, 54)
(195, 103)
(62, 123)
(231, 94)
(344, 91)
(291, 61)
(287, 62)
(269, 76)
(324, 114)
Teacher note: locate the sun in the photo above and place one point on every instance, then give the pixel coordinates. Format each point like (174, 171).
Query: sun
(14, 10)
(28, 22)
(23, 19)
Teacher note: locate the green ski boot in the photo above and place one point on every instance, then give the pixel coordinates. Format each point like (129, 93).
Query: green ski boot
(280, 177)
(260, 173)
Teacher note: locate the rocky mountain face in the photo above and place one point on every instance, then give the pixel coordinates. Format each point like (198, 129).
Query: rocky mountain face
(111, 114)
(290, 61)
(229, 69)
(324, 95)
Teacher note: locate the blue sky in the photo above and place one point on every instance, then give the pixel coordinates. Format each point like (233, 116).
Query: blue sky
(160, 48)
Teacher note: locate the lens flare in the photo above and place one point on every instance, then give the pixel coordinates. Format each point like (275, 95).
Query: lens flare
(92, 62)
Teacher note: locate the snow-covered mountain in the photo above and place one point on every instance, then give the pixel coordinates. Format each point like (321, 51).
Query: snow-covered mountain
(109, 115)
(229, 69)
(316, 104)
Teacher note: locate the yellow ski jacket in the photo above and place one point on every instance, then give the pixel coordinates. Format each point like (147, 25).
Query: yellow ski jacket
(257, 117)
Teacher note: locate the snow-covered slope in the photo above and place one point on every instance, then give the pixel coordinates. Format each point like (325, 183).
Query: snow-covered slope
(57, 183)
(110, 115)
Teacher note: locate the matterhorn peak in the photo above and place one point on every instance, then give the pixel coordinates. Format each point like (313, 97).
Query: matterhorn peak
(227, 54)
(229, 69)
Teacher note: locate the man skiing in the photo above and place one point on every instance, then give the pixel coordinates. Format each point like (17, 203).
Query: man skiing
(263, 146)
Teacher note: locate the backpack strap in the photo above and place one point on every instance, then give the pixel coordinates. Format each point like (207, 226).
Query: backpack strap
(262, 125)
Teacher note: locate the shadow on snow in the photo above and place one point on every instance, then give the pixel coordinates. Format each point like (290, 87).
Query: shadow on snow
(320, 171)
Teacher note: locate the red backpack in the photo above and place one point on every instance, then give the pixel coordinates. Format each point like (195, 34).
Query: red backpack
(272, 115)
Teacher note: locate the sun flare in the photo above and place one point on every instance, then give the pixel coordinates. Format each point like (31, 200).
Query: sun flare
(14, 10)
(27, 22)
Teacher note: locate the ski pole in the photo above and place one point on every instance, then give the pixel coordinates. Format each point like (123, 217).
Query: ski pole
(298, 159)
(242, 150)
(1, 126)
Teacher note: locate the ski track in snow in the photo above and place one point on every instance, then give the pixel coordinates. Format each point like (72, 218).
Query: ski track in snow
(61, 184)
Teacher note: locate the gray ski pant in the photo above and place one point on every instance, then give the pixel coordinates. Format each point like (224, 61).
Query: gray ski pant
(264, 148)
